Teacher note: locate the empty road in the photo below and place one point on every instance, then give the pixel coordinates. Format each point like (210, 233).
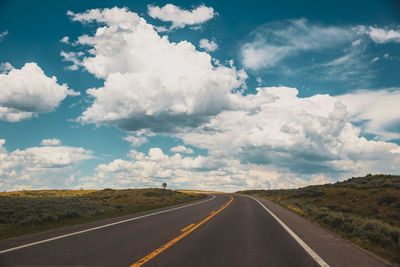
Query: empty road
(222, 230)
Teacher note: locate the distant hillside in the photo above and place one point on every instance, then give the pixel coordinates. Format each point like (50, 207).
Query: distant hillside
(365, 210)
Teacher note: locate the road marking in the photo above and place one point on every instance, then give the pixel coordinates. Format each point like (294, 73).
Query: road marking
(311, 252)
(187, 227)
(212, 212)
(102, 226)
(176, 239)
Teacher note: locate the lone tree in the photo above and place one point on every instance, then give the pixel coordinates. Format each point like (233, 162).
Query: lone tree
(164, 185)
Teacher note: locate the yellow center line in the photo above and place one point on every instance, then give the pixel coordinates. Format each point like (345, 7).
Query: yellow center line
(187, 227)
(212, 212)
(176, 239)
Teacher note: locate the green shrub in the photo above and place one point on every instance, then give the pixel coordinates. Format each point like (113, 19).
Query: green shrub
(152, 194)
(387, 199)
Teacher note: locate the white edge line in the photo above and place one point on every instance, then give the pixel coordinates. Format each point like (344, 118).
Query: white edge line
(102, 226)
(312, 253)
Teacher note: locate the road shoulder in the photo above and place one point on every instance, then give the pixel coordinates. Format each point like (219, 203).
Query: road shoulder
(335, 250)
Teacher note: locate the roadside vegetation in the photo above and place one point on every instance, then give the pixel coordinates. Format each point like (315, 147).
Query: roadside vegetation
(365, 210)
(26, 212)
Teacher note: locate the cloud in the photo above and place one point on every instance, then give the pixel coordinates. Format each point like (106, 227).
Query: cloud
(276, 41)
(324, 53)
(2, 149)
(2, 35)
(207, 45)
(180, 17)
(14, 115)
(39, 167)
(51, 142)
(375, 59)
(150, 82)
(72, 57)
(65, 40)
(136, 141)
(208, 173)
(353, 63)
(5, 67)
(271, 139)
(39, 158)
(181, 149)
(376, 110)
(356, 42)
(292, 135)
(28, 91)
(380, 36)
(87, 17)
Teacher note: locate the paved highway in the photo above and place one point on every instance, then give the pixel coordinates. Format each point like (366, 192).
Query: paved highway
(222, 230)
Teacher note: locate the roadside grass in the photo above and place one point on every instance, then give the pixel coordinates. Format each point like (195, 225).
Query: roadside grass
(188, 191)
(365, 210)
(25, 212)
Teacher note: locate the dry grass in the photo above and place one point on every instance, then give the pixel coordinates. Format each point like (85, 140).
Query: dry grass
(199, 191)
(47, 193)
(26, 212)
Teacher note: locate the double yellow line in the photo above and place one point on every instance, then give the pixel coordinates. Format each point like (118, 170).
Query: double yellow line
(187, 230)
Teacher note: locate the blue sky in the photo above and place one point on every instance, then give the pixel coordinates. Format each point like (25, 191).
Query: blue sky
(208, 95)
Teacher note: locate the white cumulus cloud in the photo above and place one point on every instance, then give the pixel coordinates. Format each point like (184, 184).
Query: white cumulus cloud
(39, 167)
(65, 40)
(208, 45)
(182, 149)
(136, 141)
(51, 142)
(5, 67)
(150, 82)
(208, 173)
(380, 35)
(272, 139)
(293, 135)
(28, 91)
(379, 110)
(180, 17)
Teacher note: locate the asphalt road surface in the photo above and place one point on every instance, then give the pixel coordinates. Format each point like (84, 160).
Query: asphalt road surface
(222, 230)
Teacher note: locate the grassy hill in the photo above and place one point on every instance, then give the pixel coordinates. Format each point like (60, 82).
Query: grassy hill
(25, 212)
(365, 210)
